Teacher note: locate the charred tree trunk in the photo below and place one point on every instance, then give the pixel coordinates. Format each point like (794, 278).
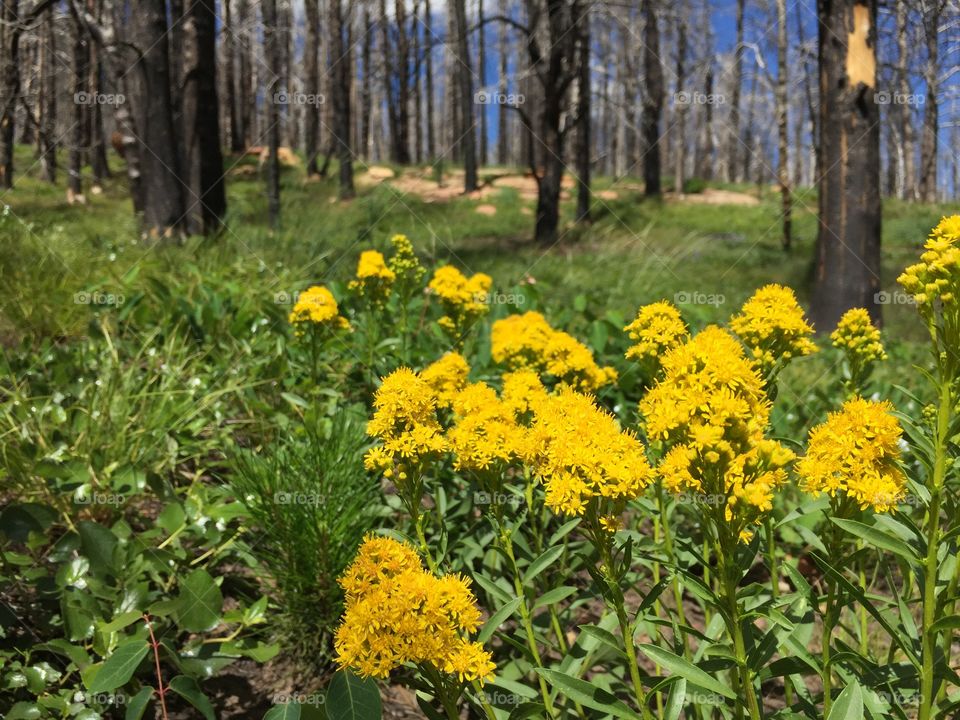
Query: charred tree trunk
(366, 96)
(428, 80)
(584, 123)
(11, 88)
(503, 147)
(906, 187)
(163, 209)
(652, 100)
(482, 76)
(80, 100)
(733, 140)
(402, 150)
(207, 202)
(680, 154)
(783, 127)
(848, 241)
(272, 50)
(340, 74)
(244, 81)
(230, 81)
(48, 101)
(931, 125)
(312, 80)
(468, 136)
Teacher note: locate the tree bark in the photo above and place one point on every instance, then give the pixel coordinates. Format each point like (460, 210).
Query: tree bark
(584, 120)
(271, 42)
(930, 130)
(503, 146)
(847, 272)
(48, 100)
(312, 80)
(652, 100)
(340, 74)
(11, 88)
(207, 202)
(733, 140)
(431, 136)
(679, 158)
(80, 99)
(468, 136)
(163, 210)
(483, 158)
(783, 127)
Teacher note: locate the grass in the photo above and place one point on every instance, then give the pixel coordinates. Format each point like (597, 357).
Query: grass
(636, 251)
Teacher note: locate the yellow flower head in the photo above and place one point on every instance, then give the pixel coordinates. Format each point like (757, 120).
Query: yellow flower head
(464, 299)
(772, 325)
(523, 392)
(316, 306)
(404, 264)
(446, 377)
(856, 453)
(581, 454)
(395, 613)
(528, 341)
(710, 410)
(405, 422)
(859, 339)
(374, 279)
(657, 328)
(937, 275)
(485, 435)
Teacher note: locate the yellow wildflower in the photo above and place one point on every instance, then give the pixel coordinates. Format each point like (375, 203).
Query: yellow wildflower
(446, 377)
(772, 325)
(396, 612)
(859, 339)
(937, 276)
(657, 328)
(404, 263)
(528, 341)
(856, 453)
(464, 299)
(317, 306)
(374, 279)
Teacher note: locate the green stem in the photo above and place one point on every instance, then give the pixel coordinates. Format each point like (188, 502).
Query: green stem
(730, 582)
(826, 640)
(929, 639)
(775, 590)
(482, 697)
(507, 545)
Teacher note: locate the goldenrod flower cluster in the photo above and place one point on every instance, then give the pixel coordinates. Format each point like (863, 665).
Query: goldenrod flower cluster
(657, 328)
(772, 325)
(528, 341)
(404, 263)
(937, 276)
(374, 279)
(859, 339)
(446, 377)
(523, 392)
(316, 306)
(405, 421)
(485, 435)
(397, 613)
(581, 454)
(711, 411)
(464, 299)
(856, 453)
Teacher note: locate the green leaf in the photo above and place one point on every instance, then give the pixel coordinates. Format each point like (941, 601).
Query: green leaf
(587, 694)
(686, 669)
(98, 545)
(551, 597)
(875, 536)
(497, 619)
(542, 563)
(121, 621)
(119, 667)
(288, 711)
(849, 704)
(189, 690)
(675, 700)
(138, 704)
(950, 622)
(199, 603)
(352, 698)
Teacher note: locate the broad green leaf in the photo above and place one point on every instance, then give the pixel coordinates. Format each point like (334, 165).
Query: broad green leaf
(288, 711)
(686, 669)
(875, 536)
(849, 704)
(98, 545)
(199, 603)
(189, 690)
(497, 619)
(352, 698)
(551, 597)
(587, 694)
(675, 700)
(138, 704)
(119, 667)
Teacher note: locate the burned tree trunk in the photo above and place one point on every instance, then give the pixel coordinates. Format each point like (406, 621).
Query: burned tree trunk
(340, 74)
(652, 100)
(207, 202)
(468, 135)
(583, 120)
(783, 129)
(848, 241)
(163, 208)
(11, 88)
(931, 126)
(80, 100)
(48, 101)
(272, 50)
(733, 139)
(312, 80)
